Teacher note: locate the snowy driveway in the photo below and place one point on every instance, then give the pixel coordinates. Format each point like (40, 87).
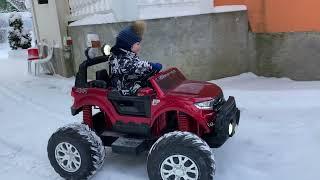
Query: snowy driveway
(278, 138)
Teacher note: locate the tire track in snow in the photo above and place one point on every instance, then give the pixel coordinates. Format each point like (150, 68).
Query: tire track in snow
(15, 157)
(18, 157)
(21, 98)
(22, 159)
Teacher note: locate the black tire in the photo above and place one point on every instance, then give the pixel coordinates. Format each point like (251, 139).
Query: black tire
(215, 141)
(185, 144)
(86, 142)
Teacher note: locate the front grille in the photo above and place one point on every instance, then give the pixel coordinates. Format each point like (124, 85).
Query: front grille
(219, 101)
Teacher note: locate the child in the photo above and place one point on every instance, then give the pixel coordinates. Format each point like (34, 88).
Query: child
(126, 67)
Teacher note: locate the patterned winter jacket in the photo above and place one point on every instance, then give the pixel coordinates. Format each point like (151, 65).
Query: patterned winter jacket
(127, 69)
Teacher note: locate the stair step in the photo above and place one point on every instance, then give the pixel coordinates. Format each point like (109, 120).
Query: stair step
(112, 134)
(129, 146)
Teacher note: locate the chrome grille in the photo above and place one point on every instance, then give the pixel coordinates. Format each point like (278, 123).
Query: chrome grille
(219, 101)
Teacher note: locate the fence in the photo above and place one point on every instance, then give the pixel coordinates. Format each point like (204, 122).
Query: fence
(82, 8)
(124, 10)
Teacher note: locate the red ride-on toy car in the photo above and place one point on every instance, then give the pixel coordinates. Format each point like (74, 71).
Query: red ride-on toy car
(175, 119)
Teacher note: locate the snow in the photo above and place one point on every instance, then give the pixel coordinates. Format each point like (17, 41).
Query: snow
(278, 136)
(4, 49)
(14, 16)
(4, 25)
(19, 53)
(28, 4)
(179, 11)
(24, 40)
(229, 8)
(95, 19)
(161, 10)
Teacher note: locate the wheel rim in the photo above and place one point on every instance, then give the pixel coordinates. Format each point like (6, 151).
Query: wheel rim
(68, 157)
(179, 167)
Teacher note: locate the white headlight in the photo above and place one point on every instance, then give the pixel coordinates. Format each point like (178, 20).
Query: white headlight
(72, 100)
(231, 128)
(106, 50)
(206, 105)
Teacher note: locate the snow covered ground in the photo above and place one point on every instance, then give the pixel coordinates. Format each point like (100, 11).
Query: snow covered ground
(278, 137)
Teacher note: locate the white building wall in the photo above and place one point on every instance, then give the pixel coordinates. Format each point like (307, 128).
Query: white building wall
(51, 20)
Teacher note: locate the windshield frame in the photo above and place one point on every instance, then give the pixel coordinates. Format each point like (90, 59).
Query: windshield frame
(161, 91)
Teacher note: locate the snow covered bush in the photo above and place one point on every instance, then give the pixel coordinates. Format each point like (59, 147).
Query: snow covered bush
(18, 38)
(15, 31)
(25, 40)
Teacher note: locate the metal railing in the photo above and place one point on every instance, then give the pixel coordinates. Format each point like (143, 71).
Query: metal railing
(82, 8)
(127, 10)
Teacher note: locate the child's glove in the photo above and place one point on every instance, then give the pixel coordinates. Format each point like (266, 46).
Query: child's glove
(156, 66)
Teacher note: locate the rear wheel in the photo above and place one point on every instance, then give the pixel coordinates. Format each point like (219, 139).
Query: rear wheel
(180, 155)
(75, 152)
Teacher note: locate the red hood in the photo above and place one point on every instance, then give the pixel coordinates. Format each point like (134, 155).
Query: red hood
(196, 89)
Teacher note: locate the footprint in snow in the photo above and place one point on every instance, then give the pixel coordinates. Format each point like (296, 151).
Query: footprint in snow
(52, 87)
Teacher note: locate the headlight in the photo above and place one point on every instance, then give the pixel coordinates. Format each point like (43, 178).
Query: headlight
(206, 105)
(72, 100)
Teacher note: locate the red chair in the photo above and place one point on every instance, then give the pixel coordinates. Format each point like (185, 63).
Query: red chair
(33, 55)
(46, 57)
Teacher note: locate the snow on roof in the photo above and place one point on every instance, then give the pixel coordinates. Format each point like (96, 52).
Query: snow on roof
(230, 8)
(94, 19)
(155, 13)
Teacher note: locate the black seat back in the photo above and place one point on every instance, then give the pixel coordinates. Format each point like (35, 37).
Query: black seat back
(103, 76)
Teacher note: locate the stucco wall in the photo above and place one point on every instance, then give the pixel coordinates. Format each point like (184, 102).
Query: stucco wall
(204, 47)
(280, 15)
(293, 55)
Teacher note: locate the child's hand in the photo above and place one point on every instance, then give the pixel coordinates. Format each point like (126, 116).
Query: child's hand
(156, 66)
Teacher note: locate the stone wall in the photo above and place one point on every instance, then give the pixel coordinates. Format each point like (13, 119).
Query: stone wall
(212, 46)
(204, 47)
(293, 55)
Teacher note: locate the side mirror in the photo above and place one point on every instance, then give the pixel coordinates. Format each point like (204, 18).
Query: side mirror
(106, 50)
(91, 53)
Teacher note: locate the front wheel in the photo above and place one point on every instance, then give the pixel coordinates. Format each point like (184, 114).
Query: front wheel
(180, 155)
(75, 152)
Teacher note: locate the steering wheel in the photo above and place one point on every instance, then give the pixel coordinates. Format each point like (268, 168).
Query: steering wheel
(147, 76)
(143, 81)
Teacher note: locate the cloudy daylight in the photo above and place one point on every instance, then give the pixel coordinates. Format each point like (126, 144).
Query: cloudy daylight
(159, 90)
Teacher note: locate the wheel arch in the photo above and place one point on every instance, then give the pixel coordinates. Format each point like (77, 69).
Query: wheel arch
(169, 117)
(91, 101)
